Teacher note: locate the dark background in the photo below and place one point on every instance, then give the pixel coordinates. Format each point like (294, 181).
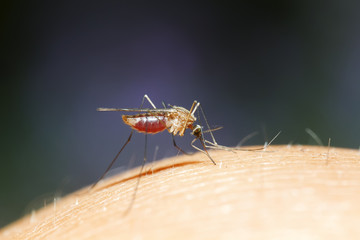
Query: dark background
(256, 66)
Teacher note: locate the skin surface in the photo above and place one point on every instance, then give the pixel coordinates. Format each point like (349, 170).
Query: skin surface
(285, 192)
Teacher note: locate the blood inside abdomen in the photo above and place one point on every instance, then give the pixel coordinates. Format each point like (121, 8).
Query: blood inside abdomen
(145, 123)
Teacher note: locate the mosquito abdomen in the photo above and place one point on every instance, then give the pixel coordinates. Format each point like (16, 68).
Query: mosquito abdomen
(146, 123)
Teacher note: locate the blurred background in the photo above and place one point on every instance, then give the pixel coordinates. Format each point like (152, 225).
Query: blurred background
(260, 66)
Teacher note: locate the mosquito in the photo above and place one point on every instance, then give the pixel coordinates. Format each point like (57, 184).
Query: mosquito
(155, 120)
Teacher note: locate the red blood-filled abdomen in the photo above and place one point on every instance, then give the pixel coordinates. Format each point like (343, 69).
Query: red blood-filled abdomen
(146, 123)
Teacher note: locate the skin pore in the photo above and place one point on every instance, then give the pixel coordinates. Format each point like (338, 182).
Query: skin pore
(284, 192)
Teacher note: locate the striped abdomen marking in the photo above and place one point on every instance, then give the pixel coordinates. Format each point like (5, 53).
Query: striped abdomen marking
(146, 123)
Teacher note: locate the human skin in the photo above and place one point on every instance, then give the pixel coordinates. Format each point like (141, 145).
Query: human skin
(284, 192)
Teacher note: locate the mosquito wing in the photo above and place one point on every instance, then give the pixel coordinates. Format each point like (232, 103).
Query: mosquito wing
(134, 110)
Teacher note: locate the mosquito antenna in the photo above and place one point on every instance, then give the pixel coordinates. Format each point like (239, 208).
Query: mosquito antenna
(113, 161)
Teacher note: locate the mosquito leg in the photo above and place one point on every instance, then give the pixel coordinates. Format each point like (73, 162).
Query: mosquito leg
(177, 147)
(193, 108)
(113, 161)
(192, 144)
(138, 181)
(148, 99)
(117, 155)
(172, 135)
(203, 151)
(145, 158)
(207, 125)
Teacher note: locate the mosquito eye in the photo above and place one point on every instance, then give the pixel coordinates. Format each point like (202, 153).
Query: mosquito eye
(197, 131)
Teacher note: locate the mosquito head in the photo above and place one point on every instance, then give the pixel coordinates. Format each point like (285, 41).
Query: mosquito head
(197, 131)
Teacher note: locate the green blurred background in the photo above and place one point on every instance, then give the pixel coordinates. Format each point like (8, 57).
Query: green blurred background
(255, 66)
